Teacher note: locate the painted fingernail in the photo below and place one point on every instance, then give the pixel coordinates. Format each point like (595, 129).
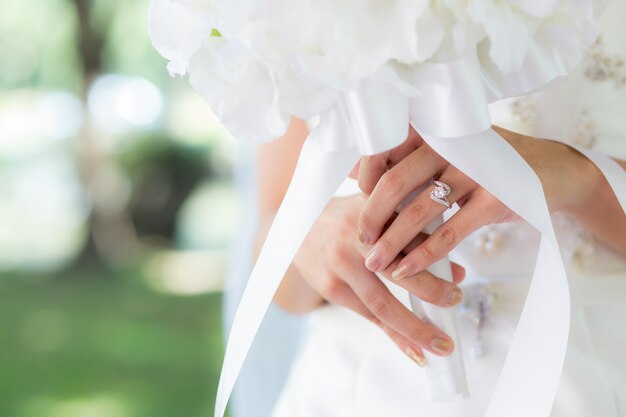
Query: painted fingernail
(417, 358)
(372, 262)
(440, 346)
(402, 271)
(455, 297)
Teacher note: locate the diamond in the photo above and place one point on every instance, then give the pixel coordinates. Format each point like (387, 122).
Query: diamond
(439, 192)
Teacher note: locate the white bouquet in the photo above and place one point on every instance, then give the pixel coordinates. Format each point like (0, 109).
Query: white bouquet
(257, 62)
(368, 68)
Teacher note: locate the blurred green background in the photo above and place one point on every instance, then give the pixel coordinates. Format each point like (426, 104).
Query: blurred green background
(116, 213)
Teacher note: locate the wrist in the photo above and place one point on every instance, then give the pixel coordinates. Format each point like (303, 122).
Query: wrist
(570, 180)
(578, 179)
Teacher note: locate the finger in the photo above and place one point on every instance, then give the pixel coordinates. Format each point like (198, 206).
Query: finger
(414, 352)
(364, 249)
(373, 167)
(458, 272)
(398, 153)
(386, 308)
(414, 218)
(354, 174)
(446, 237)
(424, 284)
(427, 286)
(414, 170)
(339, 293)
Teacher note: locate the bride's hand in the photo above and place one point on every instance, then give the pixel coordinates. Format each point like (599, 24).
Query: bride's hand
(390, 177)
(331, 262)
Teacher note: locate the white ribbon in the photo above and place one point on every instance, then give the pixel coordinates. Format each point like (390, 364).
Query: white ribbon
(374, 119)
(532, 370)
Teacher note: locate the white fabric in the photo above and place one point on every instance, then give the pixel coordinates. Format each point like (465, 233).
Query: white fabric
(349, 368)
(265, 371)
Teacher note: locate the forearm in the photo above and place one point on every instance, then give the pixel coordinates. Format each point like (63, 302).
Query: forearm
(277, 161)
(603, 215)
(574, 185)
(294, 294)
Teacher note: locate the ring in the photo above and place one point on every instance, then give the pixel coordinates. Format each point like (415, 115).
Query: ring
(440, 192)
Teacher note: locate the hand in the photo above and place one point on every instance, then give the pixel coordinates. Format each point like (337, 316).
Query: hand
(331, 262)
(390, 177)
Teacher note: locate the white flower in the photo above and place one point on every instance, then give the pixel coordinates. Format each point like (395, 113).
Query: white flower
(510, 31)
(239, 89)
(570, 29)
(177, 28)
(537, 8)
(258, 62)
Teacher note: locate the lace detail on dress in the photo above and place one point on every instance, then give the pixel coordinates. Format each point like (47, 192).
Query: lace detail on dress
(600, 66)
(577, 245)
(582, 131)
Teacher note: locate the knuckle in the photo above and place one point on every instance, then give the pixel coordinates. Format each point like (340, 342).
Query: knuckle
(426, 255)
(336, 253)
(416, 213)
(377, 304)
(448, 237)
(417, 334)
(345, 224)
(372, 167)
(331, 288)
(392, 182)
(439, 290)
(432, 289)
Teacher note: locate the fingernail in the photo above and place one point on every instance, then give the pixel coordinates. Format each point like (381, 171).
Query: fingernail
(420, 360)
(440, 346)
(402, 271)
(456, 296)
(372, 262)
(362, 238)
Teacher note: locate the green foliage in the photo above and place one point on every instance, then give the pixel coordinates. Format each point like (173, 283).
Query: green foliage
(38, 44)
(98, 343)
(127, 45)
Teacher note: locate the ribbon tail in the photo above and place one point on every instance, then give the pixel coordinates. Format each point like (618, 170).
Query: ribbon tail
(317, 177)
(528, 383)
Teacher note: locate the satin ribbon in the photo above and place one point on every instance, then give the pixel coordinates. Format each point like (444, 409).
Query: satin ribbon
(374, 119)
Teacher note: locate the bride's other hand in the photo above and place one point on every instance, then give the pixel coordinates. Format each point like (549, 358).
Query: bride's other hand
(390, 177)
(331, 263)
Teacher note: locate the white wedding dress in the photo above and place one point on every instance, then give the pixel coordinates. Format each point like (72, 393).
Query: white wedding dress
(349, 368)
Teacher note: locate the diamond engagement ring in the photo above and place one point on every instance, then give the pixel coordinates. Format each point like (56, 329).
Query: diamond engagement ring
(440, 192)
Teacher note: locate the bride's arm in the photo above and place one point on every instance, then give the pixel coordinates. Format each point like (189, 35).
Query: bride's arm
(603, 215)
(610, 225)
(276, 163)
(580, 186)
